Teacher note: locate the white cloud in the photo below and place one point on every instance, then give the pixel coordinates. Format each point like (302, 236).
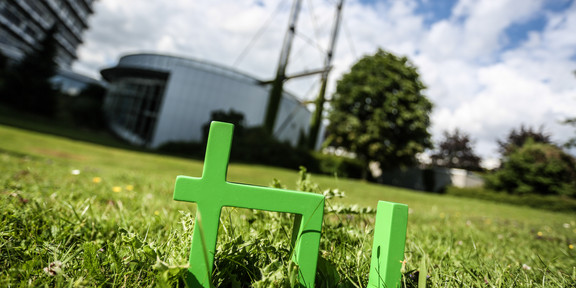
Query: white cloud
(486, 93)
(475, 85)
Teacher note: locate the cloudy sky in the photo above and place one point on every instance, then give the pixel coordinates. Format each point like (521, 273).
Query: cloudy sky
(489, 65)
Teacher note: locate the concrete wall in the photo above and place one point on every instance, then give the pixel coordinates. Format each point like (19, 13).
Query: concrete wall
(433, 179)
(462, 178)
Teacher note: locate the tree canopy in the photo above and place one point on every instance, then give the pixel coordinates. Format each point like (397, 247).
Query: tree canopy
(379, 112)
(536, 168)
(518, 137)
(27, 84)
(532, 164)
(571, 143)
(456, 151)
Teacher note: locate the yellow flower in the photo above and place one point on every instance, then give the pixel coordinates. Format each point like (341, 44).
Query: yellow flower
(117, 189)
(129, 187)
(570, 246)
(539, 234)
(96, 179)
(156, 212)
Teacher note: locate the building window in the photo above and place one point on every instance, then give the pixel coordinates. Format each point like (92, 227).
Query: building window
(133, 104)
(12, 16)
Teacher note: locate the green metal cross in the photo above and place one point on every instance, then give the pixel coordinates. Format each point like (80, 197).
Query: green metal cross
(211, 192)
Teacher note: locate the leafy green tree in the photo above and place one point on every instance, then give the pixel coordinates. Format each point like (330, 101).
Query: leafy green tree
(379, 112)
(571, 143)
(27, 85)
(518, 137)
(536, 168)
(456, 151)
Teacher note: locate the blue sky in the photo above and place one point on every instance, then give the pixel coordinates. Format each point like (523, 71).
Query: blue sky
(489, 65)
(436, 10)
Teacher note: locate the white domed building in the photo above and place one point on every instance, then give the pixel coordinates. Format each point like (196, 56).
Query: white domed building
(153, 99)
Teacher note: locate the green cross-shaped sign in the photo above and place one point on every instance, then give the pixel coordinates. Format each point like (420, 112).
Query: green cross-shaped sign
(211, 192)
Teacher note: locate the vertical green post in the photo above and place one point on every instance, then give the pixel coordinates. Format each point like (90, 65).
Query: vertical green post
(388, 245)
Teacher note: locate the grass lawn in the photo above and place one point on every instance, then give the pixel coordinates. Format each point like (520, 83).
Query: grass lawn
(80, 214)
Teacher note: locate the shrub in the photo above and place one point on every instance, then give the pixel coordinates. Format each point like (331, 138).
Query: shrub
(518, 137)
(337, 165)
(536, 168)
(185, 149)
(258, 146)
(86, 108)
(249, 145)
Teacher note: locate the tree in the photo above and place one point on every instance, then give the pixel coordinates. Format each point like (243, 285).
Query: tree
(27, 85)
(536, 168)
(517, 139)
(456, 151)
(86, 108)
(379, 113)
(571, 143)
(3, 74)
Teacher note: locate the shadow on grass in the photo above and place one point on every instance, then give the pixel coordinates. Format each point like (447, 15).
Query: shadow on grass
(545, 202)
(36, 123)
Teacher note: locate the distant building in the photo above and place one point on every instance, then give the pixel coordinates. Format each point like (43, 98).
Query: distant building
(23, 23)
(154, 99)
(434, 179)
(71, 83)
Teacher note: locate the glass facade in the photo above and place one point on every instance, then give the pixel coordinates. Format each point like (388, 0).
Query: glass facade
(156, 99)
(132, 106)
(23, 24)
